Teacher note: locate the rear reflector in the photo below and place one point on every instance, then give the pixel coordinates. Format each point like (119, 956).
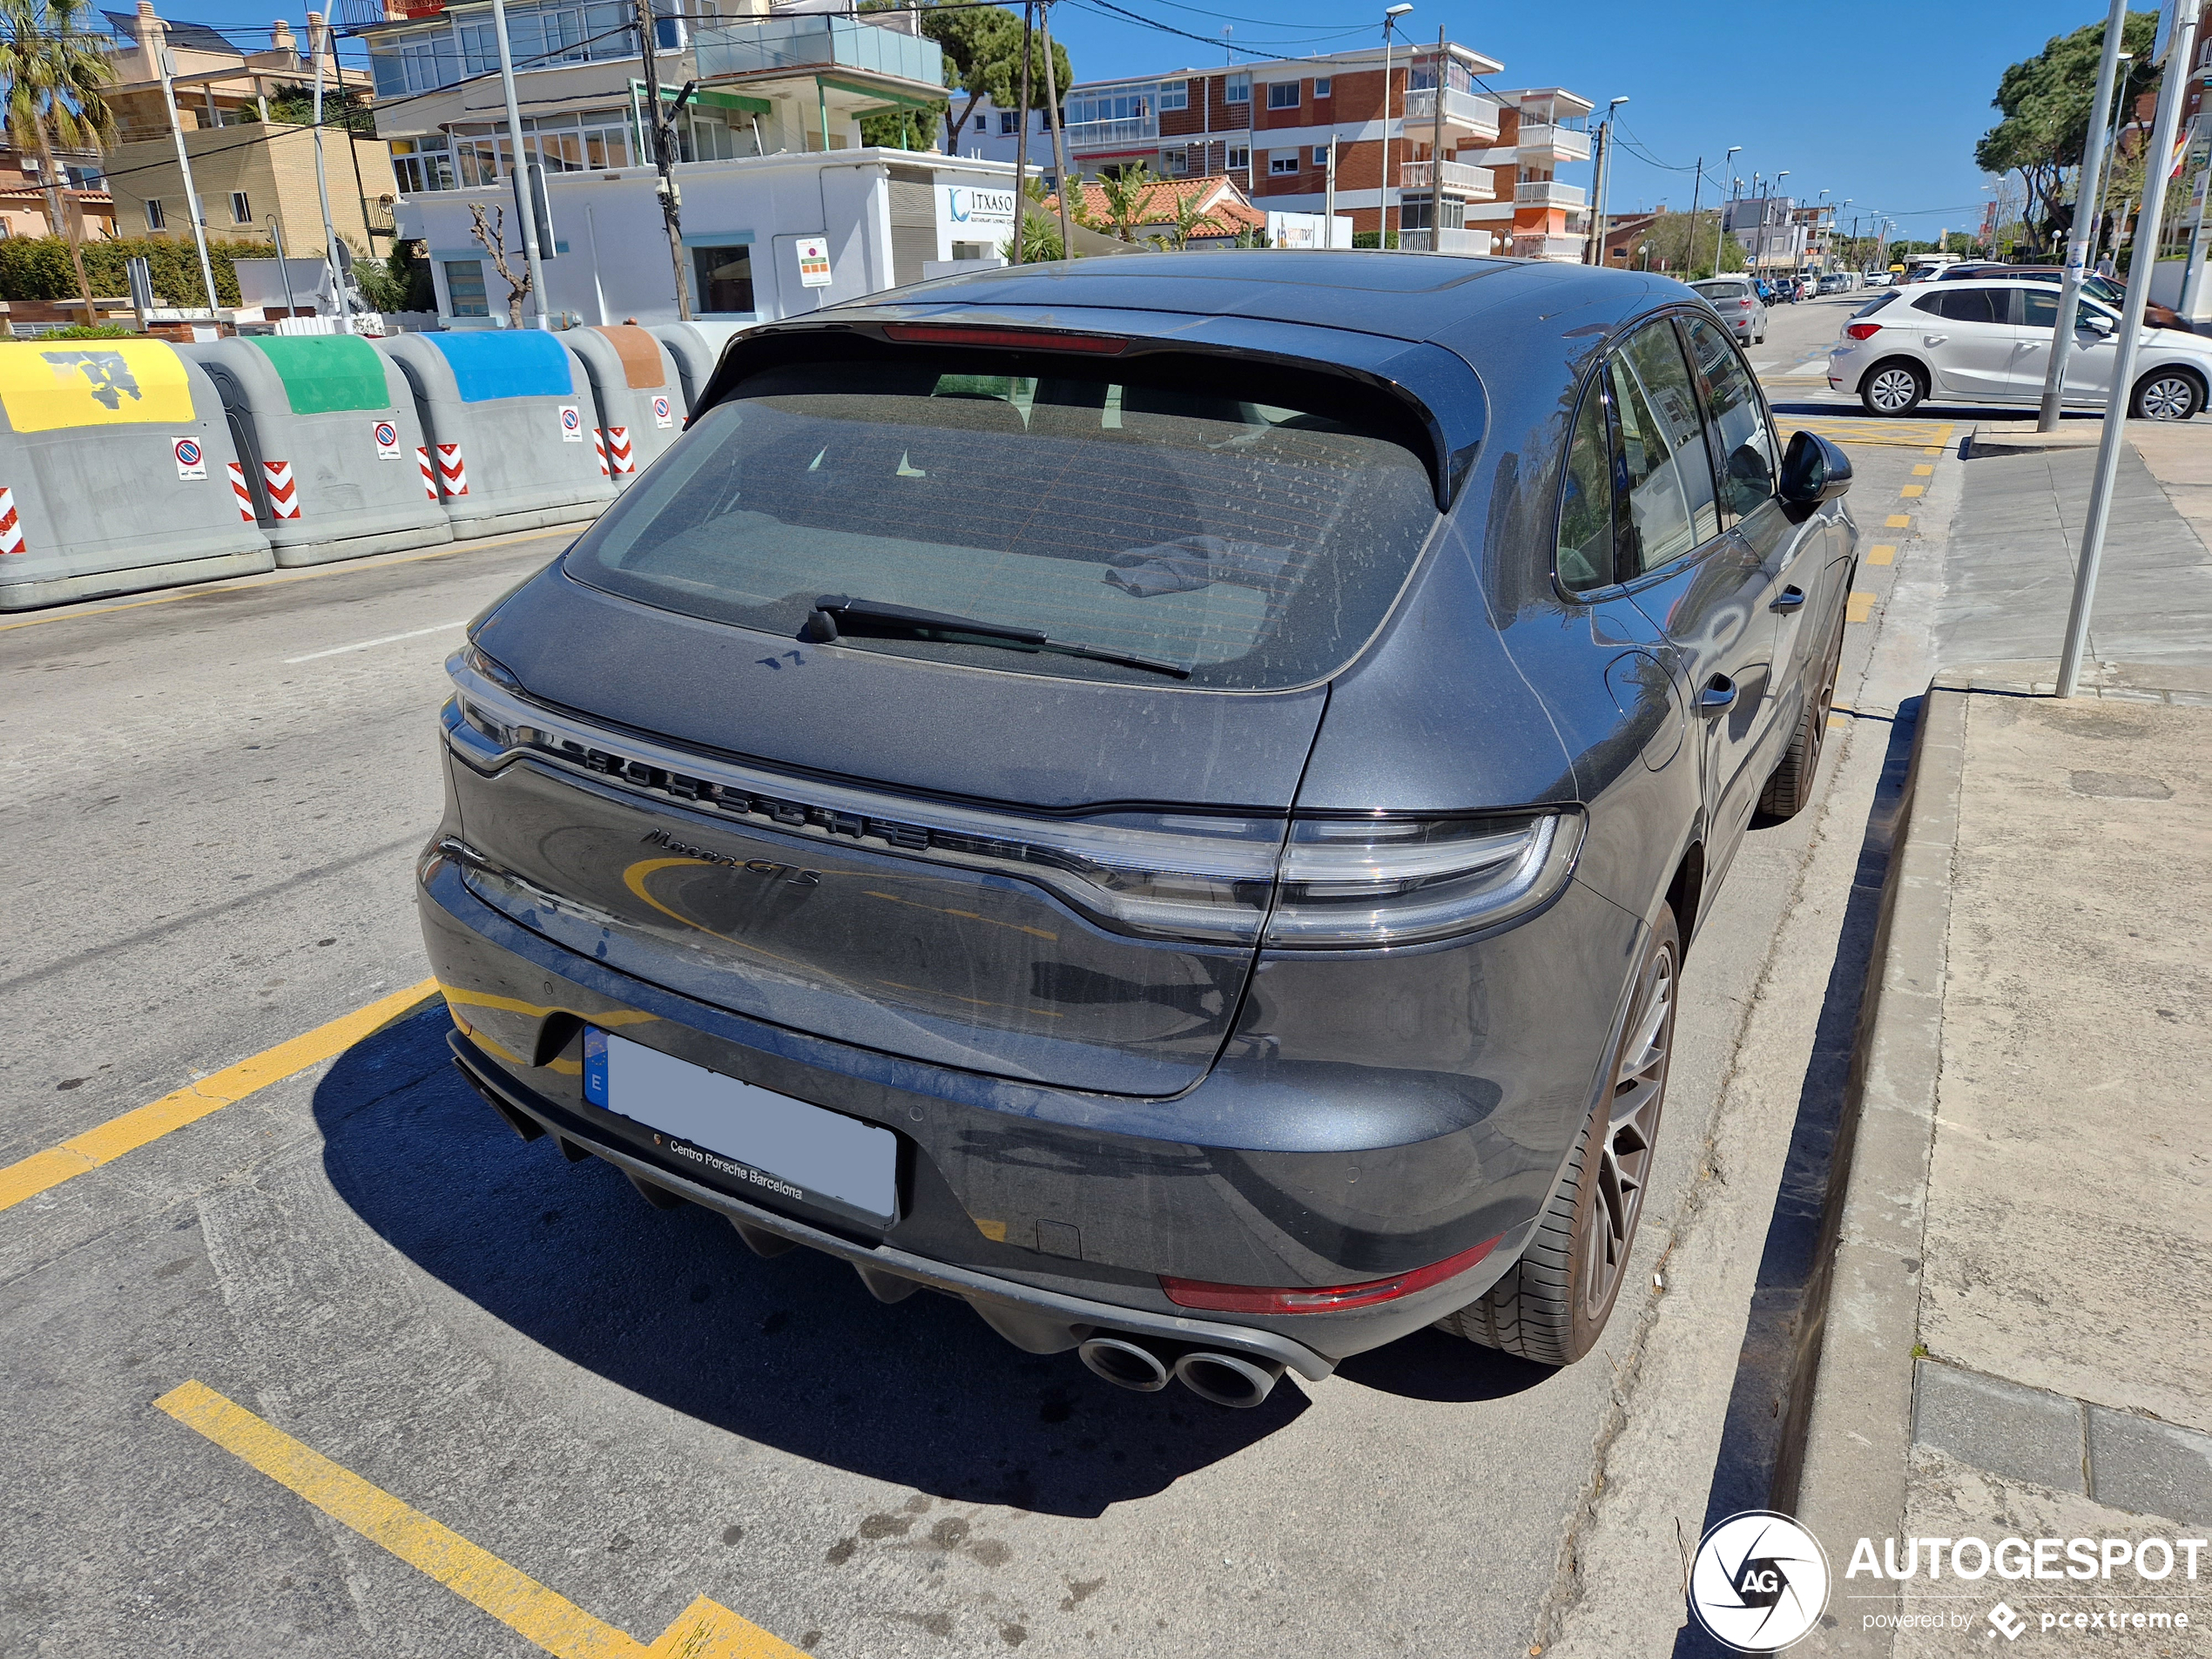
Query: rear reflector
(1250, 1299)
(1864, 330)
(1009, 339)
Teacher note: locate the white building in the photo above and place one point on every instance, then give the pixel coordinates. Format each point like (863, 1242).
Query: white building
(882, 217)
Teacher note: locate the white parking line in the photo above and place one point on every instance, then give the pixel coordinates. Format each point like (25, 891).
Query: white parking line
(364, 645)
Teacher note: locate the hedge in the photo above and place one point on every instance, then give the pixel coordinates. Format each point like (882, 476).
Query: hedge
(38, 268)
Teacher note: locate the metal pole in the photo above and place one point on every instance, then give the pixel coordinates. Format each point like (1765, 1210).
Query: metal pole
(2180, 55)
(318, 42)
(1021, 136)
(1059, 139)
(671, 198)
(520, 163)
(184, 166)
(1328, 198)
(2085, 218)
(284, 271)
(1382, 197)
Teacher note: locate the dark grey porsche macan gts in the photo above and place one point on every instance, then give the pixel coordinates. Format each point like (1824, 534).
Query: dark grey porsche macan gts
(1164, 797)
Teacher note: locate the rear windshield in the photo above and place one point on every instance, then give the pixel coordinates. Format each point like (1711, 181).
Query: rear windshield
(1255, 541)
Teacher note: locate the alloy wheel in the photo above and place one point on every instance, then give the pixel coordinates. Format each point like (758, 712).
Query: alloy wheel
(2170, 397)
(1623, 1164)
(1894, 390)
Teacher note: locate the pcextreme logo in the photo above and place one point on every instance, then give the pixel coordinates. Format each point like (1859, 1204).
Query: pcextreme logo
(1759, 1581)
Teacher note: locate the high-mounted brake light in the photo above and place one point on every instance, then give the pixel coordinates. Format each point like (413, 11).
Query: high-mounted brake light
(1864, 330)
(1010, 339)
(1252, 1299)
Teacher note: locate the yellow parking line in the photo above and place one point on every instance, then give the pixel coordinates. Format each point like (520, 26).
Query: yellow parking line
(1911, 490)
(1897, 522)
(1859, 607)
(703, 1630)
(1924, 472)
(1881, 553)
(105, 1142)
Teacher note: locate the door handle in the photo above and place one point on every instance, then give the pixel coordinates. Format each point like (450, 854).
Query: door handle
(1789, 598)
(1718, 695)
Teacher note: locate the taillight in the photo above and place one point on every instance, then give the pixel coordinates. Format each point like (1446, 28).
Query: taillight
(1253, 1298)
(1334, 883)
(1864, 330)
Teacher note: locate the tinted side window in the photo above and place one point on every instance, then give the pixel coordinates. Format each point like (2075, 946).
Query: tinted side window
(1735, 416)
(1669, 476)
(1968, 304)
(1586, 500)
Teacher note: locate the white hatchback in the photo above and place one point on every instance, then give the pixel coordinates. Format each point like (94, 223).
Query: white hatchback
(1989, 342)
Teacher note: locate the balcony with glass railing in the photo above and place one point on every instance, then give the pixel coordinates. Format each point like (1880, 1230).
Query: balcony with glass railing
(810, 43)
(1477, 184)
(1545, 141)
(1548, 193)
(1466, 112)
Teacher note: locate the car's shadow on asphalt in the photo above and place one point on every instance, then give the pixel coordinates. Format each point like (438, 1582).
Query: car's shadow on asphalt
(793, 1353)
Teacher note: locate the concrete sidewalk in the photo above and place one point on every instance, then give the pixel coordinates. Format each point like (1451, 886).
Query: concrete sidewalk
(2014, 1343)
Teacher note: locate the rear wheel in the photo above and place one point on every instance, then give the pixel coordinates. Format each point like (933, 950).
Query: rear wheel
(1552, 1304)
(1791, 787)
(2167, 394)
(1894, 388)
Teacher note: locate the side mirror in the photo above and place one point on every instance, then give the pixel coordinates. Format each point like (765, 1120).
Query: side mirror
(1813, 470)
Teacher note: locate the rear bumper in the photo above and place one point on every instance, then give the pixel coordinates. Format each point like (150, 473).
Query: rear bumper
(1051, 1212)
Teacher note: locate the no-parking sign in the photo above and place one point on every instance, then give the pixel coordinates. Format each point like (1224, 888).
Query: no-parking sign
(664, 416)
(191, 463)
(388, 441)
(572, 424)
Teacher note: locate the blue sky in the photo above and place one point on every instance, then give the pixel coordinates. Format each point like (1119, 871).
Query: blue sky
(1878, 103)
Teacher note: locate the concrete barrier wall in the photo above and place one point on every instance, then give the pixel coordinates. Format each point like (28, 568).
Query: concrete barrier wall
(117, 474)
(330, 442)
(508, 416)
(639, 395)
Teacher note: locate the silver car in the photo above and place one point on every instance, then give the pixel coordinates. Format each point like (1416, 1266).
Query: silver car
(1737, 300)
(1983, 341)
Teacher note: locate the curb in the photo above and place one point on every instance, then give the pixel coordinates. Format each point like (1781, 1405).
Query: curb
(1857, 1429)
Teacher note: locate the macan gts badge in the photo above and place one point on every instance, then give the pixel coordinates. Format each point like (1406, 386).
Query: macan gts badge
(1178, 829)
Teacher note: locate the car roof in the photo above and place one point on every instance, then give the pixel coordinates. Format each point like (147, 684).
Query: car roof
(1399, 296)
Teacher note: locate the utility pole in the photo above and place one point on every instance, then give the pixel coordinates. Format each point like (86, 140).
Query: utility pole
(318, 43)
(525, 204)
(184, 166)
(1059, 139)
(1022, 134)
(2180, 53)
(671, 198)
(1435, 161)
(1690, 265)
(2085, 218)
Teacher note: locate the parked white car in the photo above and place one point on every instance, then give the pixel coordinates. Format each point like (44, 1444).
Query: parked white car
(1990, 342)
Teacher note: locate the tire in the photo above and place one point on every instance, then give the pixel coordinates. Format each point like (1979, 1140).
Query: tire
(2167, 394)
(1892, 388)
(1791, 787)
(1552, 1304)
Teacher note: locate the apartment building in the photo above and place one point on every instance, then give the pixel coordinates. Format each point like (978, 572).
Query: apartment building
(793, 79)
(1477, 175)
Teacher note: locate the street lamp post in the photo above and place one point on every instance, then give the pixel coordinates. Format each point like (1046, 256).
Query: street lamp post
(1391, 15)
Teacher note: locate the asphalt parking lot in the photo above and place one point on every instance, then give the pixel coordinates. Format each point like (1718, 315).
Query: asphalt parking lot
(318, 1357)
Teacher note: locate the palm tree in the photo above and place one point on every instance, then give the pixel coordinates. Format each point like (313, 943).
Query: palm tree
(54, 79)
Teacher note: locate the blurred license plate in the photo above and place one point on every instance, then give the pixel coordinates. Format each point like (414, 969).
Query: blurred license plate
(780, 1147)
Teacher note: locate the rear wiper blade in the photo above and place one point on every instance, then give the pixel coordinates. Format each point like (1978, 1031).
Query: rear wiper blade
(836, 613)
